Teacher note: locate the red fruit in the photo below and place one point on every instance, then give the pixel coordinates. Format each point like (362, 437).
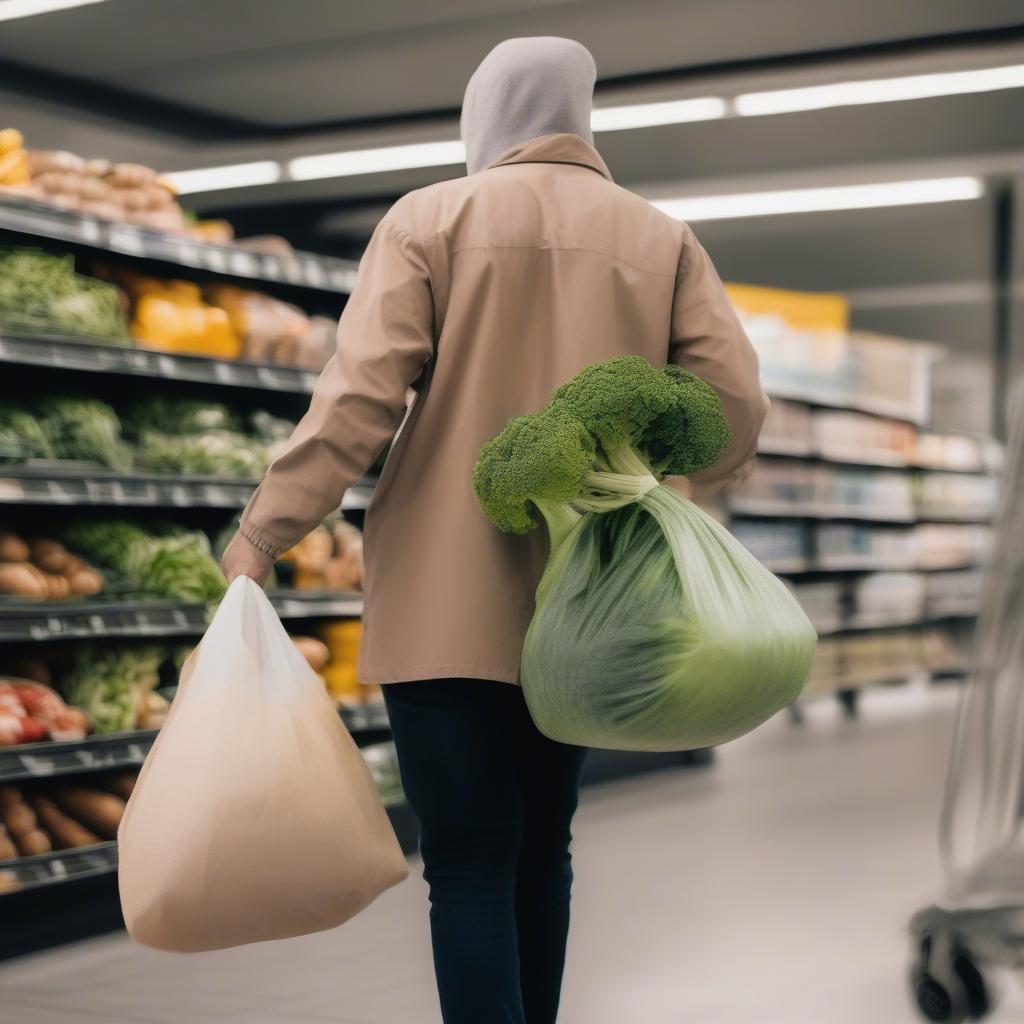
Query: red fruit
(33, 731)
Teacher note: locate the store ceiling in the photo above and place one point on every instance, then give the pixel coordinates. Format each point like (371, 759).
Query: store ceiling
(181, 84)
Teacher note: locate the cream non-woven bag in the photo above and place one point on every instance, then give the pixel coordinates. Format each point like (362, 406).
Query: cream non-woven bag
(254, 816)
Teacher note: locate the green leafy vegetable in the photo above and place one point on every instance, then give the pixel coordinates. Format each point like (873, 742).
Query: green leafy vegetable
(109, 684)
(177, 416)
(216, 453)
(20, 428)
(654, 628)
(177, 565)
(41, 291)
(85, 429)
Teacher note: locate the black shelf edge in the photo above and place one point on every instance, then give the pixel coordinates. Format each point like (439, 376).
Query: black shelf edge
(59, 866)
(43, 620)
(64, 352)
(56, 485)
(315, 604)
(302, 269)
(113, 751)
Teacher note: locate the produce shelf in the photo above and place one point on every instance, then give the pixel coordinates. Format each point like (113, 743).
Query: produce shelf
(63, 352)
(129, 749)
(315, 604)
(59, 866)
(305, 270)
(54, 484)
(43, 620)
(855, 403)
(72, 757)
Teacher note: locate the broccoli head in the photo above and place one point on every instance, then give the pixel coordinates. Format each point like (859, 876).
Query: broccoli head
(692, 433)
(617, 399)
(540, 460)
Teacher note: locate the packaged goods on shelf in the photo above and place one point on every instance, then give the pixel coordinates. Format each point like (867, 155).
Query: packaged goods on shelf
(787, 429)
(888, 598)
(956, 496)
(778, 486)
(858, 545)
(343, 639)
(888, 655)
(873, 493)
(780, 546)
(857, 437)
(954, 593)
(40, 291)
(826, 666)
(40, 568)
(823, 603)
(952, 545)
(14, 171)
(949, 451)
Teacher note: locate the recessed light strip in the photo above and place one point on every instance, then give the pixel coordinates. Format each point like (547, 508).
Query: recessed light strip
(10, 10)
(646, 115)
(813, 200)
(879, 90)
(210, 179)
(373, 161)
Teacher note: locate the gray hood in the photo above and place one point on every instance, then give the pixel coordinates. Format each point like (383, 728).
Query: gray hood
(524, 88)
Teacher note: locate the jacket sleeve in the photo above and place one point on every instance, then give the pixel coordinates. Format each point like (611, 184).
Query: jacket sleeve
(385, 339)
(708, 340)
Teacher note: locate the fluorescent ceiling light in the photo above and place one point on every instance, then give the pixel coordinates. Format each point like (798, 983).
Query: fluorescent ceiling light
(12, 9)
(644, 115)
(209, 179)
(880, 90)
(809, 200)
(372, 161)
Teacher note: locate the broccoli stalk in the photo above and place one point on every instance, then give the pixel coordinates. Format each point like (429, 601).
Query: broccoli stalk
(608, 437)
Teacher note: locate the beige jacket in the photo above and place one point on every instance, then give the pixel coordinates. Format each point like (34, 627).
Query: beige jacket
(484, 294)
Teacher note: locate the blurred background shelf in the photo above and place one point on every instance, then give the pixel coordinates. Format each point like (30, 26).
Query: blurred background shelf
(60, 866)
(85, 618)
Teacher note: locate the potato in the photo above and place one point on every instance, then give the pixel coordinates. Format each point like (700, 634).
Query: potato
(34, 842)
(130, 175)
(314, 651)
(86, 583)
(99, 811)
(120, 783)
(8, 851)
(65, 832)
(49, 555)
(19, 580)
(94, 191)
(59, 587)
(12, 548)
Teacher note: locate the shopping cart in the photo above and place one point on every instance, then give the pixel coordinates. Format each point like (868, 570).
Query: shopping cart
(980, 921)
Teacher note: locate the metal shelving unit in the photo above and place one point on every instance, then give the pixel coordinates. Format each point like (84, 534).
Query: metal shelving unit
(305, 270)
(60, 866)
(75, 620)
(68, 484)
(64, 352)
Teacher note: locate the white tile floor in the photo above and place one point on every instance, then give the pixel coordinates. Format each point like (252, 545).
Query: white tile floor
(774, 887)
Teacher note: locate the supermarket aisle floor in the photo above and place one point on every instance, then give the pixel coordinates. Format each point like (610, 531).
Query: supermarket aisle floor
(774, 887)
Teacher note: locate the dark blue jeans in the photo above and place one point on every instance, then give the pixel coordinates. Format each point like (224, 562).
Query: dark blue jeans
(495, 800)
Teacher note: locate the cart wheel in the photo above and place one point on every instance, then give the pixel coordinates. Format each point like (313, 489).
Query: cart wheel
(979, 1003)
(934, 1001)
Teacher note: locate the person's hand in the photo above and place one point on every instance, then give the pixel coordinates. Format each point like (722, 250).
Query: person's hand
(243, 558)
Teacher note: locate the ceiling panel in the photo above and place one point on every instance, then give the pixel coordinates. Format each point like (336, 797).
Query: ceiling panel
(311, 61)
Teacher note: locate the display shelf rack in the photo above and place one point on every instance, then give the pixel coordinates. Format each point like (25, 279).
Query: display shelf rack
(89, 618)
(57, 484)
(304, 270)
(58, 866)
(315, 604)
(72, 757)
(750, 507)
(75, 620)
(773, 449)
(64, 352)
(111, 751)
(851, 402)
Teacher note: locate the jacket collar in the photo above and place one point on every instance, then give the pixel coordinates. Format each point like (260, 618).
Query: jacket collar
(562, 148)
